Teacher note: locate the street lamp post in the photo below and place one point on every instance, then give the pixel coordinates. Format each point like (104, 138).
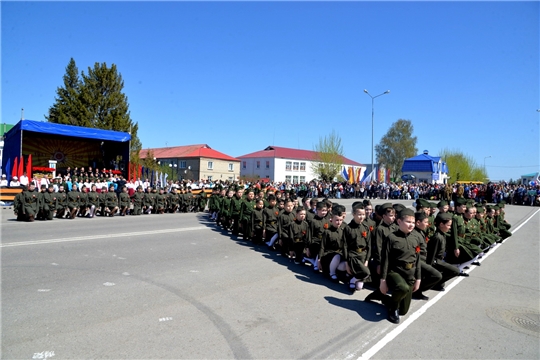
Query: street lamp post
(372, 123)
(487, 157)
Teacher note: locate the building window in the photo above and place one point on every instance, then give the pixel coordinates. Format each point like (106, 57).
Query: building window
(288, 166)
(302, 179)
(258, 164)
(295, 166)
(210, 178)
(295, 179)
(210, 165)
(182, 164)
(302, 166)
(244, 165)
(231, 178)
(267, 164)
(288, 178)
(231, 166)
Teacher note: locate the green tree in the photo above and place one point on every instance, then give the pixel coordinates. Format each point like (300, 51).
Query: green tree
(395, 146)
(462, 167)
(68, 108)
(148, 161)
(328, 157)
(95, 100)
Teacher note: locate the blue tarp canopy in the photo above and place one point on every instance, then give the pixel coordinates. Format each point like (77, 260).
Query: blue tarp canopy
(70, 130)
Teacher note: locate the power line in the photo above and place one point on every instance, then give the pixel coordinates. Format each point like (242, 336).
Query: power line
(523, 166)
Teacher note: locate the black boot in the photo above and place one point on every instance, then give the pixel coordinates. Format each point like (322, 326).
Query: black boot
(393, 316)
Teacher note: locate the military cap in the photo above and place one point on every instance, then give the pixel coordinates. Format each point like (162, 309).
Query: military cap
(398, 207)
(480, 209)
(443, 217)
(51, 186)
(422, 203)
(461, 201)
(406, 212)
(442, 203)
(502, 203)
(357, 203)
(43, 186)
(432, 205)
(496, 207)
(383, 207)
(139, 187)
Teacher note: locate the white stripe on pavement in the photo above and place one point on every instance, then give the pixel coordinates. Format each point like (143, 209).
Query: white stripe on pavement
(401, 327)
(105, 236)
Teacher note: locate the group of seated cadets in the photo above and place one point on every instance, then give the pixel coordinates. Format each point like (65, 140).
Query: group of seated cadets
(47, 204)
(396, 250)
(421, 251)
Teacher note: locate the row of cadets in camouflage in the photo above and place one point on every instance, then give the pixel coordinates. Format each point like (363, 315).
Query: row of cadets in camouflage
(49, 204)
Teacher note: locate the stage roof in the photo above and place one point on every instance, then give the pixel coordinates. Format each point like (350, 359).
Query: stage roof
(69, 130)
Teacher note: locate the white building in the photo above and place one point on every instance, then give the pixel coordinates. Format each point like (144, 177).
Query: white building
(284, 164)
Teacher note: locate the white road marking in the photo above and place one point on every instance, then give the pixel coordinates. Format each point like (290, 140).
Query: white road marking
(109, 284)
(44, 290)
(126, 273)
(165, 319)
(43, 355)
(193, 271)
(401, 327)
(105, 236)
(54, 264)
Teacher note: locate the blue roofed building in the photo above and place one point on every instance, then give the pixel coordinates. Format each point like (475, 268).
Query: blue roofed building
(425, 168)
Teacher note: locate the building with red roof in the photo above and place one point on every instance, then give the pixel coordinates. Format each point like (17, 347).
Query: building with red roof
(293, 165)
(195, 162)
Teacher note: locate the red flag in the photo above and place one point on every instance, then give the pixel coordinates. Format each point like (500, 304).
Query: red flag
(29, 167)
(21, 165)
(140, 172)
(15, 167)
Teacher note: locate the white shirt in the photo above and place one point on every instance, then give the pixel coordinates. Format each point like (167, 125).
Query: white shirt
(3, 182)
(23, 180)
(14, 183)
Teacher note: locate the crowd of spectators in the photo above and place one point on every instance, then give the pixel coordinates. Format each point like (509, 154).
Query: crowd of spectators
(512, 193)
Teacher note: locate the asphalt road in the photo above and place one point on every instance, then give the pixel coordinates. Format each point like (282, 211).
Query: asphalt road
(173, 286)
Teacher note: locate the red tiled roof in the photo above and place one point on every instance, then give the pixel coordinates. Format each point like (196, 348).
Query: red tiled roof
(187, 151)
(288, 153)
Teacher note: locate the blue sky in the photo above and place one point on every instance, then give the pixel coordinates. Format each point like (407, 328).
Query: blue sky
(240, 76)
